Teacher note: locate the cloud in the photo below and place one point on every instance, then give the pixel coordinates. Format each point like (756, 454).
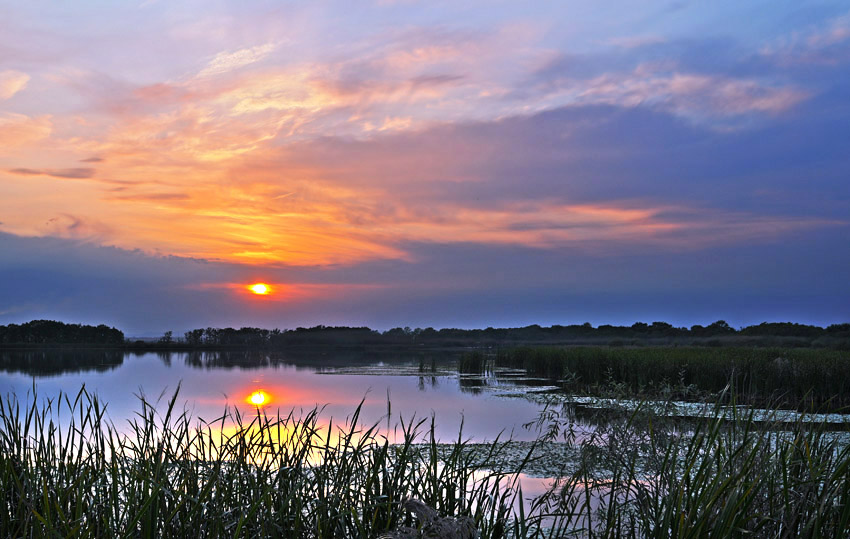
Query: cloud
(12, 82)
(397, 80)
(836, 31)
(705, 98)
(401, 80)
(66, 225)
(64, 173)
(431, 134)
(152, 197)
(819, 44)
(600, 177)
(227, 61)
(634, 42)
(595, 177)
(21, 130)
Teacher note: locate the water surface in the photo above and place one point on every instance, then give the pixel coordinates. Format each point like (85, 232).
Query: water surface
(391, 386)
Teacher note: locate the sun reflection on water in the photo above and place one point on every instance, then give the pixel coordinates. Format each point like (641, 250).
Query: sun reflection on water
(258, 398)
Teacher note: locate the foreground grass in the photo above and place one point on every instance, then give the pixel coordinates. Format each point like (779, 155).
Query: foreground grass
(65, 471)
(811, 379)
(166, 476)
(645, 476)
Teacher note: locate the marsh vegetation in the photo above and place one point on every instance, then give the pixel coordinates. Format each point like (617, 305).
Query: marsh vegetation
(809, 379)
(66, 470)
(170, 475)
(596, 462)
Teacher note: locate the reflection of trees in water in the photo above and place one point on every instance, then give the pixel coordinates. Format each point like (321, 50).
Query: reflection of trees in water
(317, 357)
(428, 381)
(165, 357)
(472, 384)
(228, 360)
(478, 371)
(56, 361)
(427, 363)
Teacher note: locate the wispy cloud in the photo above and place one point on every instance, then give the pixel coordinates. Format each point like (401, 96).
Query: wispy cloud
(837, 31)
(12, 82)
(19, 129)
(65, 173)
(69, 226)
(152, 197)
(634, 42)
(705, 98)
(227, 61)
(823, 44)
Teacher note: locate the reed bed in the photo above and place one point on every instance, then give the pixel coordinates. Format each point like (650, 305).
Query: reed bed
(472, 363)
(645, 476)
(65, 470)
(782, 377)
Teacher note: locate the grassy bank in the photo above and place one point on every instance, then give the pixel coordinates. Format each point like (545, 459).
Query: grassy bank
(818, 379)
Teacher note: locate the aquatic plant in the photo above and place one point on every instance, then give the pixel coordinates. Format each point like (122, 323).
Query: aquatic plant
(784, 377)
(474, 362)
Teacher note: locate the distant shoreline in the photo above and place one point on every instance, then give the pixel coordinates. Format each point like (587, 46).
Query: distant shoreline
(49, 333)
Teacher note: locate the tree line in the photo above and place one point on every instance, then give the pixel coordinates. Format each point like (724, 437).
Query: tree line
(52, 332)
(716, 333)
(767, 333)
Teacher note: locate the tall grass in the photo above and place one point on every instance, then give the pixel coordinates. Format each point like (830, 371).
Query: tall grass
(472, 363)
(65, 470)
(645, 477)
(784, 377)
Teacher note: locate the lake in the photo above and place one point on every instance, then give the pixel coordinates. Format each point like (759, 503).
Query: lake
(391, 385)
(415, 385)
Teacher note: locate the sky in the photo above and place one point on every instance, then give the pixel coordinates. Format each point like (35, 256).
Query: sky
(424, 164)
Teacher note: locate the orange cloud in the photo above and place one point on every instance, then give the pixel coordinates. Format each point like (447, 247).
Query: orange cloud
(20, 130)
(228, 161)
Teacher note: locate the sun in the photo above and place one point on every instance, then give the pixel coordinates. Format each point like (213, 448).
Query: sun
(261, 289)
(258, 398)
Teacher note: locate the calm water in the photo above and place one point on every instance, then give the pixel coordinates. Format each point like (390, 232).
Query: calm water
(416, 385)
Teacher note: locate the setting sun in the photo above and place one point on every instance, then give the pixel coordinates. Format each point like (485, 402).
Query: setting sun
(260, 289)
(258, 398)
